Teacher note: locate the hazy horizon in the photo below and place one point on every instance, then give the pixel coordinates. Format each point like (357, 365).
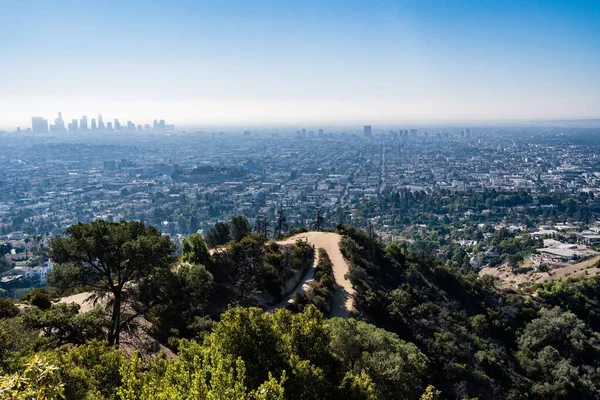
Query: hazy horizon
(232, 63)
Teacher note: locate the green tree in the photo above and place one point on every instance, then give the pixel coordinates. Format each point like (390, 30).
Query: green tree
(39, 381)
(16, 342)
(39, 297)
(239, 228)
(357, 387)
(195, 250)
(8, 308)
(185, 291)
(560, 353)
(88, 371)
(199, 374)
(397, 368)
(218, 235)
(63, 323)
(281, 225)
(106, 256)
(248, 333)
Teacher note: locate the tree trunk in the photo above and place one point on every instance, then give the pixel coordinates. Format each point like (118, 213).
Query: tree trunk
(115, 322)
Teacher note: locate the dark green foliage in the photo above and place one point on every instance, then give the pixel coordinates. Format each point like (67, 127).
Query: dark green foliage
(16, 341)
(195, 250)
(64, 324)
(397, 368)
(4, 265)
(468, 329)
(92, 369)
(218, 235)
(39, 297)
(581, 297)
(185, 290)
(250, 273)
(8, 308)
(561, 355)
(239, 228)
(105, 256)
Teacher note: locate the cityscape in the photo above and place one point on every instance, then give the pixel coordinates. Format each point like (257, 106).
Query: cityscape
(41, 125)
(275, 200)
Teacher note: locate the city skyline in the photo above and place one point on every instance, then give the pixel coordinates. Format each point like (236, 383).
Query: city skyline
(235, 63)
(42, 125)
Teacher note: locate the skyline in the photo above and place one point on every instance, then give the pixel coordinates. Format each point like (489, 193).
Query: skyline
(281, 63)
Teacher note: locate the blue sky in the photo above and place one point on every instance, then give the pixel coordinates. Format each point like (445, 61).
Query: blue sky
(299, 62)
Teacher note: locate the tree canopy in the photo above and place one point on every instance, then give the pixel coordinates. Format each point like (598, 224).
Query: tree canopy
(105, 256)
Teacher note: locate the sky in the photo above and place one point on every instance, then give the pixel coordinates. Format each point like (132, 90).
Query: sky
(252, 62)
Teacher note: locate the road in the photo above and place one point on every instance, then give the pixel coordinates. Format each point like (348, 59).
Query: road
(343, 299)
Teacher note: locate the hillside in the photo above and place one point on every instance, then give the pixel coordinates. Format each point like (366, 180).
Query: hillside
(509, 279)
(420, 329)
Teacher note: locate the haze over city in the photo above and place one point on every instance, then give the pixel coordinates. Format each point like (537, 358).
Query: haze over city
(239, 63)
(299, 200)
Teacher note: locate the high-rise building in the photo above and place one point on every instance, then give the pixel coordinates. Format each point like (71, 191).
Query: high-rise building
(83, 125)
(367, 131)
(59, 124)
(413, 132)
(100, 122)
(109, 126)
(94, 126)
(155, 124)
(39, 125)
(130, 126)
(161, 124)
(117, 125)
(73, 125)
(320, 132)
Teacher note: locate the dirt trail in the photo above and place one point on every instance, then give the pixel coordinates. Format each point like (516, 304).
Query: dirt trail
(343, 300)
(85, 301)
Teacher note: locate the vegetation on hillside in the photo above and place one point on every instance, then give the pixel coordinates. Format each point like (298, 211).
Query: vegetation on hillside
(422, 329)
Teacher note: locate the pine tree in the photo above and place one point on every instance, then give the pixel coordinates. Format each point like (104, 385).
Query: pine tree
(281, 225)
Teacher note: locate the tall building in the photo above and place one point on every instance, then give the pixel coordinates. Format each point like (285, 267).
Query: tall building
(100, 122)
(73, 125)
(59, 124)
(130, 126)
(83, 125)
(413, 132)
(117, 125)
(94, 126)
(367, 131)
(109, 126)
(39, 125)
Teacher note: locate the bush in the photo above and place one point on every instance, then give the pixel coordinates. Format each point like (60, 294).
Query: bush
(8, 309)
(39, 297)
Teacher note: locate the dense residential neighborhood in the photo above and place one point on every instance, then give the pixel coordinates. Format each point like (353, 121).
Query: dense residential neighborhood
(183, 182)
